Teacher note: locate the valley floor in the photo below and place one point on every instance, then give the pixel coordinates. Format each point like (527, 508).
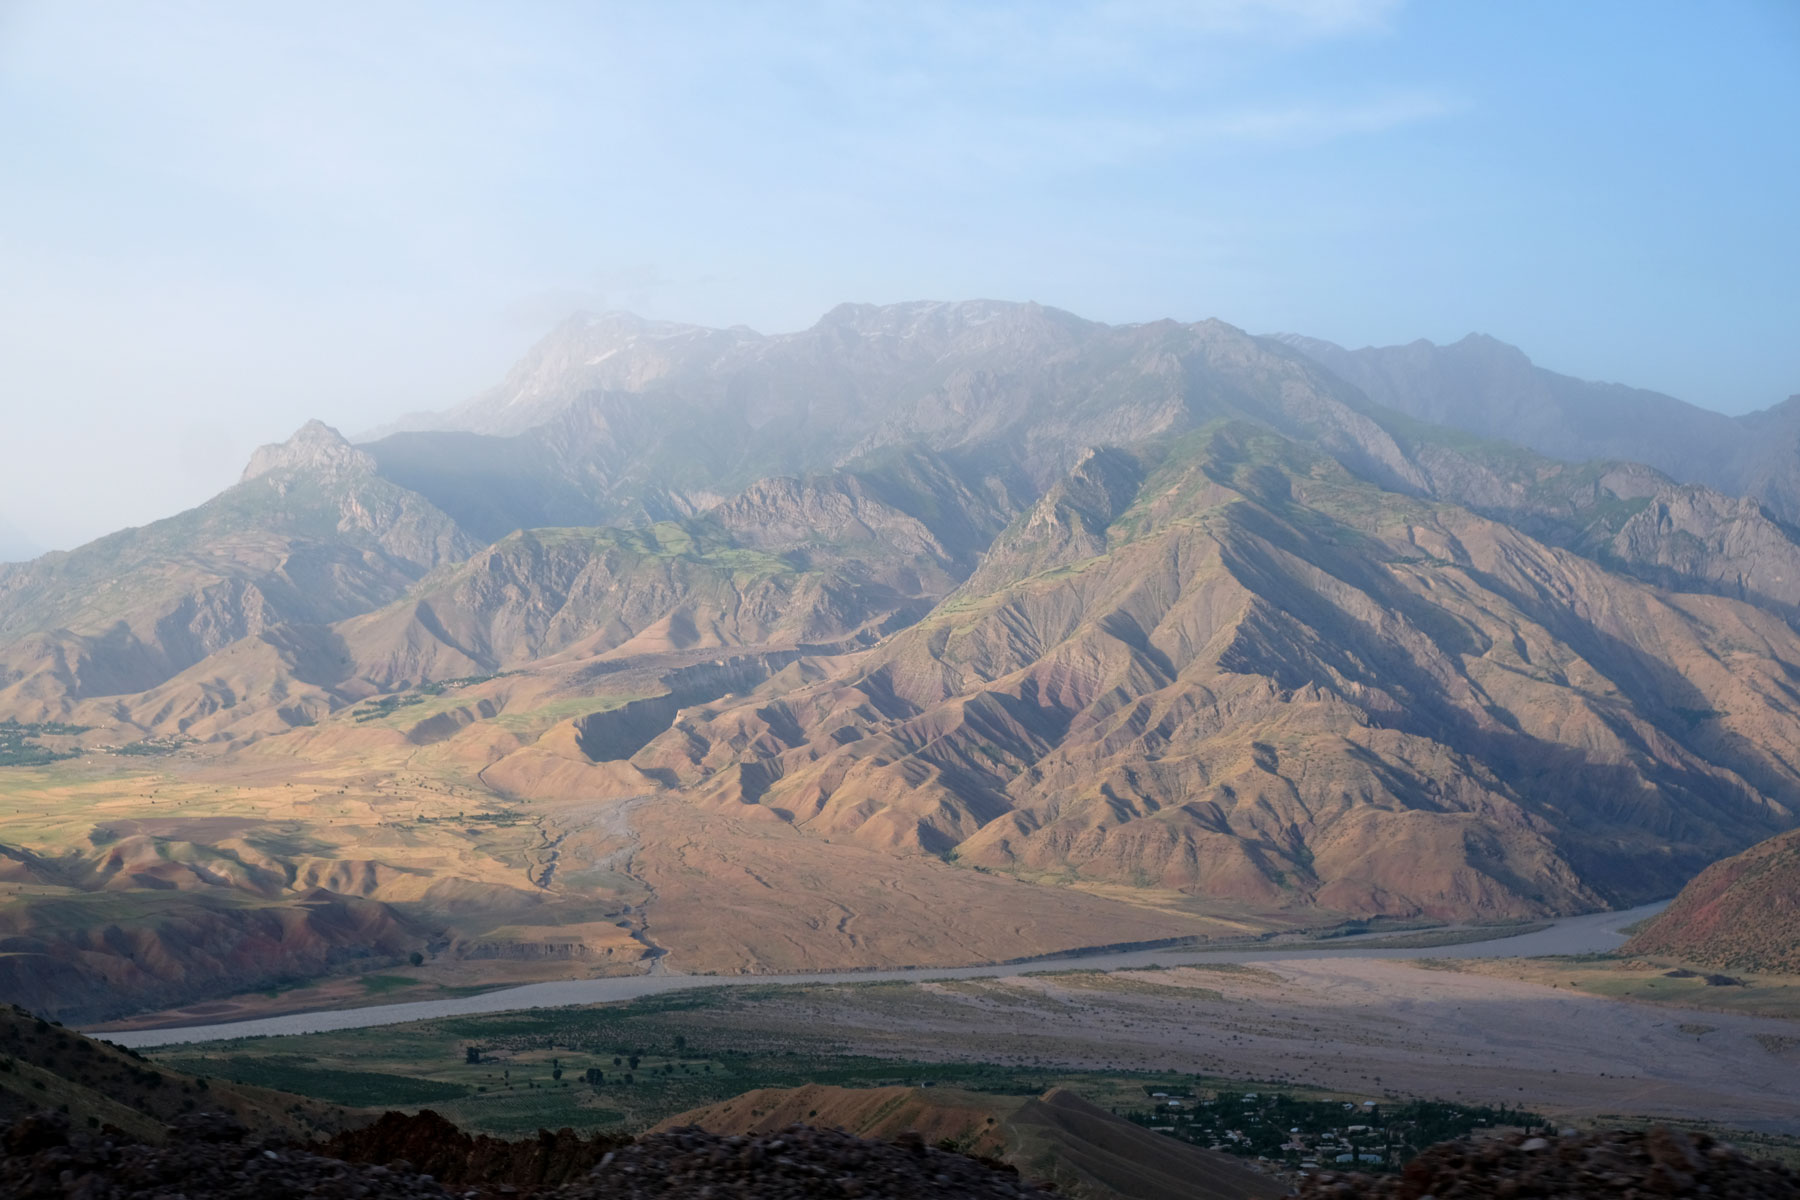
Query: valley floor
(1358, 1026)
(1343, 1023)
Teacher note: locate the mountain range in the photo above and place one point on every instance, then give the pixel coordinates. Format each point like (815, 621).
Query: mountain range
(1106, 633)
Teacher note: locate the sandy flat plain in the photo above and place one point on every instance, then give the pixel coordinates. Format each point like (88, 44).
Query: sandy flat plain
(1338, 1023)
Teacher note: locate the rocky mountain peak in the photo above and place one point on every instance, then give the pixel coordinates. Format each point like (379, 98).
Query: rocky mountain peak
(316, 448)
(941, 320)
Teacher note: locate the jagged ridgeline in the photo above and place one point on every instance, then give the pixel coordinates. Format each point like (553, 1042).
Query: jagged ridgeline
(797, 650)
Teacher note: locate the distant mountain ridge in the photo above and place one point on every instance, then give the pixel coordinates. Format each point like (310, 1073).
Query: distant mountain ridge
(1489, 388)
(619, 419)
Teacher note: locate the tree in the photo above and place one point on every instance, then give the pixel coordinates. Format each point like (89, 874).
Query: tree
(416, 959)
(473, 1056)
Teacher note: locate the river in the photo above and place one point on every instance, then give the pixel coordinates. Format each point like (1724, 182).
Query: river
(1591, 933)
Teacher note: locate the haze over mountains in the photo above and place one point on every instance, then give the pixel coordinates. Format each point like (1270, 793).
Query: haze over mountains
(15, 545)
(1489, 388)
(1104, 630)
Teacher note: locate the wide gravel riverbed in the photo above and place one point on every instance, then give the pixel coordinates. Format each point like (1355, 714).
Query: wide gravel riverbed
(1591, 933)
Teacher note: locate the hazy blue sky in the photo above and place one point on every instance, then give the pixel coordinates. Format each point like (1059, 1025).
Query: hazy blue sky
(217, 220)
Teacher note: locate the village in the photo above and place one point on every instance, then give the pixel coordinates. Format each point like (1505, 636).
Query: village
(1279, 1128)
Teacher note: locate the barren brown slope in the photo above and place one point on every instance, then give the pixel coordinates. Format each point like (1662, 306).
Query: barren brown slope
(1741, 914)
(140, 929)
(1251, 676)
(742, 890)
(1057, 1138)
(585, 592)
(827, 561)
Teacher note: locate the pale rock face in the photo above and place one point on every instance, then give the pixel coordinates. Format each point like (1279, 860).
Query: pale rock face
(316, 447)
(1727, 543)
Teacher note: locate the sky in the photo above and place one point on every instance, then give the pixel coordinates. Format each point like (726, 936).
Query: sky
(219, 220)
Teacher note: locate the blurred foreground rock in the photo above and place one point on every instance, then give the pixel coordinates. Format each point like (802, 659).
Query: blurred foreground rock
(211, 1158)
(1658, 1163)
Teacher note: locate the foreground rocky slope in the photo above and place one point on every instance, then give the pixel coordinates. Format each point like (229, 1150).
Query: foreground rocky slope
(1741, 914)
(1058, 1138)
(1661, 1162)
(212, 1160)
(93, 1084)
(1233, 670)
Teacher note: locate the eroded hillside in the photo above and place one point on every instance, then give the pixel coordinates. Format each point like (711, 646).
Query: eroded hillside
(1251, 676)
(933, 633)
